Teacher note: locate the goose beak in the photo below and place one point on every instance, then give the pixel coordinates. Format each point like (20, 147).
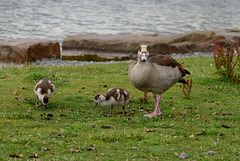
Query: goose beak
(95, 104)
(144, 57)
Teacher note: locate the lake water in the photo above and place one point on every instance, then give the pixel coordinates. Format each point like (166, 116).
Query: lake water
(55, 20)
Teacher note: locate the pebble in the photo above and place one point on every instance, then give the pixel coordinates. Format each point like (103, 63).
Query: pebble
(183, 155)
(211, 153)
(29, 111)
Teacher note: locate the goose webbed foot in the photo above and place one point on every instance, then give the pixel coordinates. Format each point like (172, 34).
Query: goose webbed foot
(157, 112)
(109, 115)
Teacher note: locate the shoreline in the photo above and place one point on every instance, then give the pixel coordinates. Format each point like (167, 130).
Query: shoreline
(51, 61)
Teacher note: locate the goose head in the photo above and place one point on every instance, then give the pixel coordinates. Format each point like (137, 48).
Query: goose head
(143, 53)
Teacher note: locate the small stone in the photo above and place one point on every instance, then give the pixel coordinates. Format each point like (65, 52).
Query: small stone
(44, 148)
(214, 143)
(211, 152)
(116, 142)
(183, 155)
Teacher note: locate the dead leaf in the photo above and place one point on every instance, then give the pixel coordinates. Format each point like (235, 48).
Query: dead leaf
(15, 93)
(63, 115)
(55, 153)
(192, 136)
(16, 155)
(26, 144)
(34, 156)
(228, 113)
(63, 136)
(183, 113)
(44, 148)
(225, 126)
(200, 133)
(100, 154)
(50, 115)
(106, 127)
(48, 118)
(74, 151)
(199, 116)
(149, 130)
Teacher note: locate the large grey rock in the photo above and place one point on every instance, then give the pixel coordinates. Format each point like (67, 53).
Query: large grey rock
(126, 45)
(24, 51)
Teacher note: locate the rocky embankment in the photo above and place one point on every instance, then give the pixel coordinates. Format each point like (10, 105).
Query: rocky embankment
(122, 47)
(23, 51)
(100, 47)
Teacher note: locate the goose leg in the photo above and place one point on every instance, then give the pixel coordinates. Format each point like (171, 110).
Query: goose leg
(37, 102)
(110, 114)
(123, 107)
(157, 109)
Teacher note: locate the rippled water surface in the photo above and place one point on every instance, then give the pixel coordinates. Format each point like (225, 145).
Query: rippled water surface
(55, 20)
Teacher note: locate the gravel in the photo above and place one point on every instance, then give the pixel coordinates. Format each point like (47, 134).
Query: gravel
(46, 62)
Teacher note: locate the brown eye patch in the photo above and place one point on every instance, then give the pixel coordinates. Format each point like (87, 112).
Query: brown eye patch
(97, 96)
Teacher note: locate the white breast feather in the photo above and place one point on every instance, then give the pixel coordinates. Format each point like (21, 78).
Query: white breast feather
(126, 93)
(118, 93)
(38, 93)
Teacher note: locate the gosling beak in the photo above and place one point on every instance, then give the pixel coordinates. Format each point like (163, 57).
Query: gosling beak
(95, 104)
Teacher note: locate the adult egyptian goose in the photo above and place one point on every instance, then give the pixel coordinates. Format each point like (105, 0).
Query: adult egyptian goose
(44, 89)
(155, 74)
(114, 97)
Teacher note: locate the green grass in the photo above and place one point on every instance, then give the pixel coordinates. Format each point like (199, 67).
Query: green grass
(76, 124)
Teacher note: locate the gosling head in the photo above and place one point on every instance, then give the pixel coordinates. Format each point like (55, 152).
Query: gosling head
(99, 99)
